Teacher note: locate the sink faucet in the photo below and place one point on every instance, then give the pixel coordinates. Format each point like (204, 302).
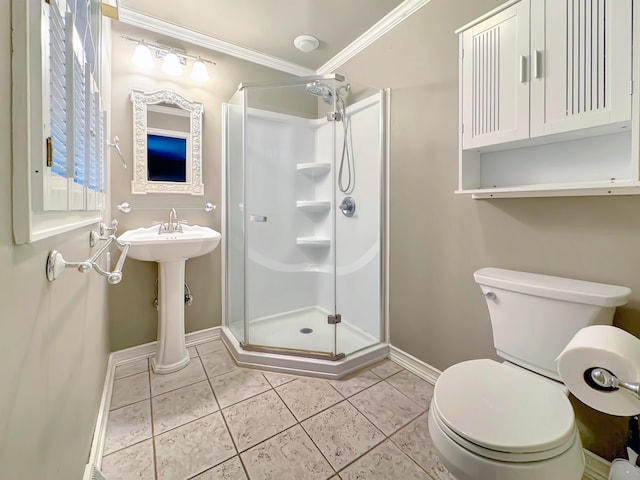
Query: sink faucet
(174, 225)
(173, 219)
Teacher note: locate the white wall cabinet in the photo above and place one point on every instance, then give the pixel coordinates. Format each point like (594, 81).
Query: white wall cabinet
(495, 87)
(580, 64)
(546, 100)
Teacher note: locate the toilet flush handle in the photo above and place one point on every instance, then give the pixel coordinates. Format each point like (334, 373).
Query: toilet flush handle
(491, 296)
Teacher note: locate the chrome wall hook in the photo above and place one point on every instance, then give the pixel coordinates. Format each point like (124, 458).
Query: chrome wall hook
(56, 264)
(115, 143)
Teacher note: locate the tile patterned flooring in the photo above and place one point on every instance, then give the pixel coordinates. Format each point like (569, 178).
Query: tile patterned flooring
(214, 420)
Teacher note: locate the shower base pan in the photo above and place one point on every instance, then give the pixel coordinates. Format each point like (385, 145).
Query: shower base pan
(292, 342)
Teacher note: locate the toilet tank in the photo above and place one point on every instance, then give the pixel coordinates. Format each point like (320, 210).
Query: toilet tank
(533, 316)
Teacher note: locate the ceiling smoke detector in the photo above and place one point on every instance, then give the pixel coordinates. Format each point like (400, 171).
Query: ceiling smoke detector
(306, 43)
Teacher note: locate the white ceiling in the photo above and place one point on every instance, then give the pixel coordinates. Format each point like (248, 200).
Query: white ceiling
(269, 26)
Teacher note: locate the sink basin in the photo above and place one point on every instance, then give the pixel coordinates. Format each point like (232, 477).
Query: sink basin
(149, 245)
(170, 250)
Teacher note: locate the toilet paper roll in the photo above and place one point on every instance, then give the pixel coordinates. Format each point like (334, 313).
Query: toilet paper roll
(606, 347)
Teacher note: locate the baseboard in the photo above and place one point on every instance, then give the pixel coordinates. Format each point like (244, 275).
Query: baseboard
(92, 473)
(411, 363)
(148, 349)
(100, 430)
(596, 468)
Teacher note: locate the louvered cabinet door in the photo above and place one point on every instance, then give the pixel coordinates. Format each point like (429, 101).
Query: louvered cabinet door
(495, 78)
(581, 64)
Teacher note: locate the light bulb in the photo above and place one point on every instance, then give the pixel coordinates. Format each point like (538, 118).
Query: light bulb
(199, 72)
(142, 57)
(171, 65)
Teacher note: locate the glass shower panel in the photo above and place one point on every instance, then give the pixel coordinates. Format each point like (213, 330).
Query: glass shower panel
(359, 196)
(289, 221)
(234, 244)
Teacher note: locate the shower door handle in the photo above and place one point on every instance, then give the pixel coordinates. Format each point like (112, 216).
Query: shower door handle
(257, 218)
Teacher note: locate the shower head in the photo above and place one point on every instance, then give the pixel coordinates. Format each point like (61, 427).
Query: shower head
(321, 90)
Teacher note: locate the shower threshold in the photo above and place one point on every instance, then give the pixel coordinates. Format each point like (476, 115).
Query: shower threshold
(298, 365)
(292, 351)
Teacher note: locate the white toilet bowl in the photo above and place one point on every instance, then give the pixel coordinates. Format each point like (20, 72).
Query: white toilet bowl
(497, 421)
(513, 420)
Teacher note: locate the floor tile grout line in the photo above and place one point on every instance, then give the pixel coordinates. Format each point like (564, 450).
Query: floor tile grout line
(379, 380)
(249, 397)
(408, 455)
(403, 393)
(342, 469)
(223, 420)
(222, 415)
(386, 438)
(342, 398)
(299, 422)
(395, 431)
(270, 436)
(128, 446)
(131, 403)
(206, 377)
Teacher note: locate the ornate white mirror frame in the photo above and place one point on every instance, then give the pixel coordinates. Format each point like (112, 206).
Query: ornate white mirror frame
(140, 183)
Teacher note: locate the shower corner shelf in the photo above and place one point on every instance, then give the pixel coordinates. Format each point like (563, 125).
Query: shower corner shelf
(317, 242)
(313, 168)
(313, 206)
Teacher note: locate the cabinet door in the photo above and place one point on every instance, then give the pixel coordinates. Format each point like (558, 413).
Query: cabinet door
(494, 78)
(581, 64)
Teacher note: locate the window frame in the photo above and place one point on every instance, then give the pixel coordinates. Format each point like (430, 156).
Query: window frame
(30, 111)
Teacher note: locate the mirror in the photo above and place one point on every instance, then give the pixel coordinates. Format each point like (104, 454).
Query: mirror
(167, 143)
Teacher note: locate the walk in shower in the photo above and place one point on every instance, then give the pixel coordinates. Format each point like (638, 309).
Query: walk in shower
(304, 225)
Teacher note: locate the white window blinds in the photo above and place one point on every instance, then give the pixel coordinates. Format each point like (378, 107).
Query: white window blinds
(76, 146)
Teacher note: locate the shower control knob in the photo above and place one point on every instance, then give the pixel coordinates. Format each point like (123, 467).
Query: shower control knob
(348, 206)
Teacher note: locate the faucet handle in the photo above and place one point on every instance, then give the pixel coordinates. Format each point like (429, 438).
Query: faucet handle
(162, 225)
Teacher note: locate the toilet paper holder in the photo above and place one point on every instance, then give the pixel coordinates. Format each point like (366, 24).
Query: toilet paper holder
(602, 379)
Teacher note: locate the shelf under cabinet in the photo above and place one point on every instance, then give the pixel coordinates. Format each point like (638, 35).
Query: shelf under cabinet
(314, 242)
(313, 206)
(313, 168)
(624, 187)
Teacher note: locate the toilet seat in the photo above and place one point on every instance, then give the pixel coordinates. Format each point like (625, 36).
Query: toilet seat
(515, 416)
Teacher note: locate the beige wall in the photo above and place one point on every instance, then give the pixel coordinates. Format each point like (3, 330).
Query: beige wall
(53, 336)
(133, 319)
(439, 239)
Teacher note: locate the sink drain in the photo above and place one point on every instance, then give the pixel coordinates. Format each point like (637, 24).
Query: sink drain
(306, 330)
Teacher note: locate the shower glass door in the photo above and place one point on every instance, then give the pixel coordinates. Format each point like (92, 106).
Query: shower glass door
(289, 217)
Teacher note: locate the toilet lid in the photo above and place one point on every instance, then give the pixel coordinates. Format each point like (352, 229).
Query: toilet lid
(504, 409)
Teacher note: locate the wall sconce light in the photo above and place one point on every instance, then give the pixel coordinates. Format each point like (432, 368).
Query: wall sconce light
(171, 65)
(173, 59)
(142, 57)
(199, 72)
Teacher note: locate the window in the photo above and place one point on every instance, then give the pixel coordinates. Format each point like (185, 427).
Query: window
(59, 135)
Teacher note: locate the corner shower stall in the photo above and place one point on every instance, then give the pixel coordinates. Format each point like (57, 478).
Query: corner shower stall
(304, 223)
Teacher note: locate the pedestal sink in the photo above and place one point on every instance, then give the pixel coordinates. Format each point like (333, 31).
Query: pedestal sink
(170, 250)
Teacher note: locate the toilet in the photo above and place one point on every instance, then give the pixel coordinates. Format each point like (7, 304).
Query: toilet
(513, 420)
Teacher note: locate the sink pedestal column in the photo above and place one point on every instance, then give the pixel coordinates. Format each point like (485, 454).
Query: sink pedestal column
(171, 354)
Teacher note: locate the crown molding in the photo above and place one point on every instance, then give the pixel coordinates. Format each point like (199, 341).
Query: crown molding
(387, 23)
(136, 19)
